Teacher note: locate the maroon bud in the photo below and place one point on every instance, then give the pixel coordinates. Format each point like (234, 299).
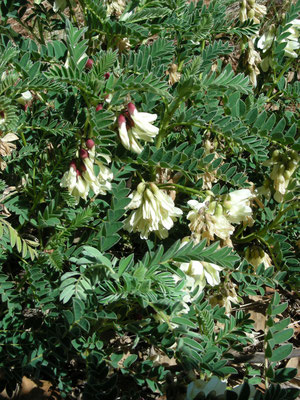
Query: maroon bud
(83, 154)
(99, 107)
(89, 64)
(26, 106)
(73, 165)
(121, 119)
(90, 144)
(106, 75)
(131, 108)
(78, 173)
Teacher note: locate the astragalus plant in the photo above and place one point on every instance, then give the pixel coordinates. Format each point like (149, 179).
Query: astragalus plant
(149, 170)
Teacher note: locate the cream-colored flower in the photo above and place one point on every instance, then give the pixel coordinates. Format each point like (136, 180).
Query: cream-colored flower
(127, 137)
(174, 75)
(24, 98)
(6, 147)
(255, 255)
(284, 165)
(142, 127)
(207, 220)
(135, 126)
(73, 181)
(115, 7)
(253, 60)
(237, 206)
(266, 40)
(101, 183)
(153, 211)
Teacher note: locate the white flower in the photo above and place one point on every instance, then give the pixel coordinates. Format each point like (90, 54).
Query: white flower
(198, 386)
(25, 97)
(69, 178)
(127, 138)
(135, 126)
(237, 204)
(153, 211)
(142, 128)
(267, 39)
(199, 272)
(102, 182)
(73, 181)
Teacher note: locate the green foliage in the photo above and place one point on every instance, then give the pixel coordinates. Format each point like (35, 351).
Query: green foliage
(106, 267)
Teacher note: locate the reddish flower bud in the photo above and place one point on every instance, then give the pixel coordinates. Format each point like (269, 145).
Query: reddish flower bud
(73, 165)
(121, 119)
(83, 154)
(90, 144)
(99, 107)
(26, 106)
(106, 75)
(89, 64)
(131, 108)
(78, 173)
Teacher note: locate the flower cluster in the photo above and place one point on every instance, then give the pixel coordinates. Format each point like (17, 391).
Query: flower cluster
(253, 60)
(115, 7)
(251, 10)
(210, 219)
(81, 176)
(292, 43)
(153, 211)
(207, 220)
(284, 166)
(135, 126)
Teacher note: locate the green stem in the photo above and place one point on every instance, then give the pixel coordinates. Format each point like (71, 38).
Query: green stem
(276, 80)
(181, 188)
(163, 131)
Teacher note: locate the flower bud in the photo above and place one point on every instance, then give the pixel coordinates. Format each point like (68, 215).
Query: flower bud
(149, 195)
(218, 210)
(121, 120)
(141, 187)
(83, 154)
(99, 107)
(154, 188)
(275, 155)
(90, 143)
(212, 207)
(73, 165)
(131, 108)
(287, 174)
(106, 75)
(251, 14)
(89, 64)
